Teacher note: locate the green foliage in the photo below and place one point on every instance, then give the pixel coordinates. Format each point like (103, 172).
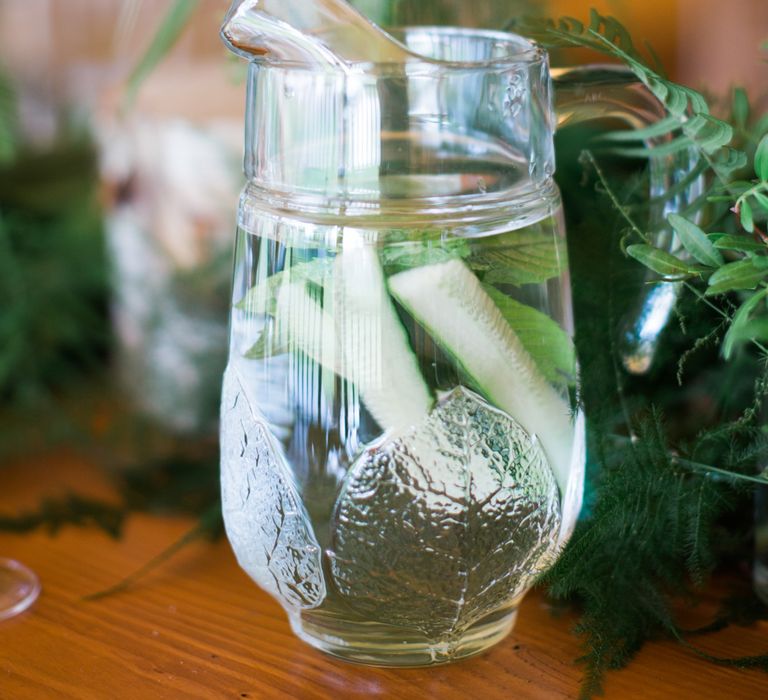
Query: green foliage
(761, 159)
(53, 272)
(175, 484)
(660, 261)
(742, 274)
(663, 486)
(171, 28)
(650, 529)
(747, 265)
(689, 124)
(530, 258)
(72, 510)
(696, 242)
(484, 13)
(8, 120)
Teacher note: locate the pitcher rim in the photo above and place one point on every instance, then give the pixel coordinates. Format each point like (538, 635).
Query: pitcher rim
(523, 51)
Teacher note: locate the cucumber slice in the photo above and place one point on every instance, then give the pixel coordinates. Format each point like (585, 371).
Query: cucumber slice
(375, 352)
(303, 325)
(449, 301)
(361, 339)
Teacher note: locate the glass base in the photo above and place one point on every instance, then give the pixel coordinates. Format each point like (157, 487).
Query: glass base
(374, 644)
(19, 588)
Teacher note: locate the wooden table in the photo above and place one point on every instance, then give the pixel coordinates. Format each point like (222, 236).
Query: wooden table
(198, 628)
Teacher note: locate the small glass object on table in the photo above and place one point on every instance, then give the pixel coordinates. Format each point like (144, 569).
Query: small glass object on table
(19, 588)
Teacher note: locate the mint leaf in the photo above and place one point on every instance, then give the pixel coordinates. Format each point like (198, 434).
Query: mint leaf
(262, 298)
(529, 257)
(405, 256)
(549, 345)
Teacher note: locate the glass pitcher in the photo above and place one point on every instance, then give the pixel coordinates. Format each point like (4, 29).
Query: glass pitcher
(402, 453)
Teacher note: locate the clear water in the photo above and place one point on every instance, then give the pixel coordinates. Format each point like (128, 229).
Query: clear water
(399, 461)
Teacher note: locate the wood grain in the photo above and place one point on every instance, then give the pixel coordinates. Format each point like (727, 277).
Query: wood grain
(198, 628)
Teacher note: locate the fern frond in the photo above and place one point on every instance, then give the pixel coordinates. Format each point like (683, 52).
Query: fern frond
(689, 123)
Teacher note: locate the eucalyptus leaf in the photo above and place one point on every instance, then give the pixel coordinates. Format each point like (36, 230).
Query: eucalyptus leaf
(740, 320)
(547, 343)
(659, 261)
(737, 275)
(695, 241)
(761, 159)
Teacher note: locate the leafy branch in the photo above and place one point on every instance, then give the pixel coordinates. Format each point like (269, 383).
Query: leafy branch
(654, 529)
(689, 124)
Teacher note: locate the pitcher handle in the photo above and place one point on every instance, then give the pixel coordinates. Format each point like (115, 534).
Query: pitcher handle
(591, 92)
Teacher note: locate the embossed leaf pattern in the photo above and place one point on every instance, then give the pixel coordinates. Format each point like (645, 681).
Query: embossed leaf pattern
(265, 519)
(442, 525)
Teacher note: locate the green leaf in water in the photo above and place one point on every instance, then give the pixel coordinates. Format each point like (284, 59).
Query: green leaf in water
(262, 297)
(404, 256)
(270, 344)
(696, 242)
(530, 257)
(549, 345)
